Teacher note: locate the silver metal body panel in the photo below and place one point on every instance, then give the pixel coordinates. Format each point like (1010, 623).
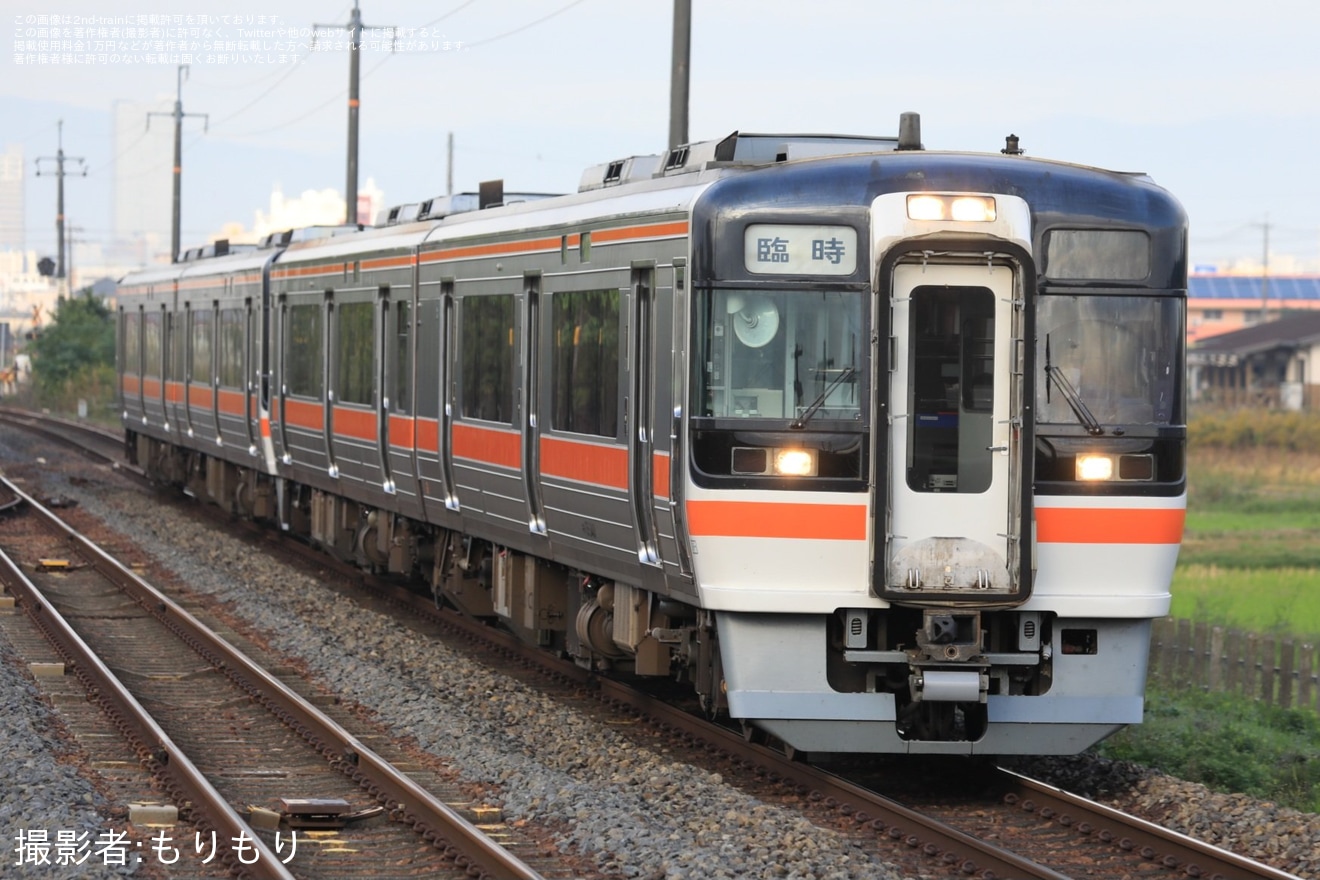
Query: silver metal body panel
(775, 668)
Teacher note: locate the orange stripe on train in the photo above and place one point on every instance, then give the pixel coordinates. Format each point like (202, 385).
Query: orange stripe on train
(757, 519)
(595, 463)
(1107, 525)
(355, 423)
(503, 448)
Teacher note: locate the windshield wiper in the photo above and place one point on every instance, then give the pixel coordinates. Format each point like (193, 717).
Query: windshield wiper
(1070, 395)
(801, 421)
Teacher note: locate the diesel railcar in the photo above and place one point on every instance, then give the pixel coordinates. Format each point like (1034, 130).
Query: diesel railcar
(881, 449)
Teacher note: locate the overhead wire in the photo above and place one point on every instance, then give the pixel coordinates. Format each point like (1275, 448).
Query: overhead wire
(297, 65)
(518, 30)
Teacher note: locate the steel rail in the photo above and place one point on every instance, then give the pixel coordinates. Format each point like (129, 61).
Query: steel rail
(433, 819)
(155, 747)
(959, 851)
(1170, 849)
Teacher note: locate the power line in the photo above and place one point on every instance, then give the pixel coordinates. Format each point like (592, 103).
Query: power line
(318, 108)
(518, 30)
(297, 65)
(32, 134)
(457, 8)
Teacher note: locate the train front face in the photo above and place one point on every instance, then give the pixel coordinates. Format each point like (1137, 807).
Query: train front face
(936, 437)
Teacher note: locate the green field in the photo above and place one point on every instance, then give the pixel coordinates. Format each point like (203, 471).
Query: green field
(1250, 560)
(1251, 552)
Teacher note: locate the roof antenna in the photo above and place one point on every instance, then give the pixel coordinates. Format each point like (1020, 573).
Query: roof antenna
(1011, 147)
(909, 131)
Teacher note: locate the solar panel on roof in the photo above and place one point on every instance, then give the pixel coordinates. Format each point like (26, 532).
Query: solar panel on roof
(1247, 287)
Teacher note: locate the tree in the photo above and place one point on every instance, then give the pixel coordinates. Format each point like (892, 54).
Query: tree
(74, 355)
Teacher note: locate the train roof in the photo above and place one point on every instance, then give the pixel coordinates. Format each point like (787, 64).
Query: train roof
(252, 259)
(673, 181)
(154, 274)
(1051, 186)
(379, 238)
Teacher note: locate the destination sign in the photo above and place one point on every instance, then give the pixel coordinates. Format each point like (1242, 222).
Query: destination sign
(782, 249)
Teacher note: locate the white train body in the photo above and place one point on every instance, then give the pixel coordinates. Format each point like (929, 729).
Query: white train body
(881, 449)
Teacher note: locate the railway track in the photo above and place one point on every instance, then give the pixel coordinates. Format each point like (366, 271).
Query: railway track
(215, 729)
(1003, 825)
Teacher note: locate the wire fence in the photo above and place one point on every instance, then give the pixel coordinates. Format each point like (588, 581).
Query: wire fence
(1276, 670)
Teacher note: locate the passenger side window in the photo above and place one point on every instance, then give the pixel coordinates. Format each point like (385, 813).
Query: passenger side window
(302, 350)
(486, 357)
(584, 377)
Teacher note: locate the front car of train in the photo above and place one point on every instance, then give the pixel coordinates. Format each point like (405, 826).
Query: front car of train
(935, 434)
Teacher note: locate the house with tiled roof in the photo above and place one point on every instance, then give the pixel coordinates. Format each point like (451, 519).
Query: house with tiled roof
(1266, 364)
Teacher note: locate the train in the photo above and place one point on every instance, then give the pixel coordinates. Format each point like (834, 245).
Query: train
(871, 447)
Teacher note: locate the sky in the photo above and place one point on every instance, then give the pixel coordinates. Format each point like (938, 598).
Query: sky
(1215, 100)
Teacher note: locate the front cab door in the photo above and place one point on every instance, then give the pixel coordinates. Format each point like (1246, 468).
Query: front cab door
(954, 479)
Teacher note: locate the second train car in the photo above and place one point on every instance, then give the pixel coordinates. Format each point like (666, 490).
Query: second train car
(880, 448)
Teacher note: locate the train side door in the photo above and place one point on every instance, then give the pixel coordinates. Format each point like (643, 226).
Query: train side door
(249, 382)
(303, 413)
(155, 394)
(434, 397)
(128, 363)
(398, 435)
(641, 433)
(955, 399)
(529, 403)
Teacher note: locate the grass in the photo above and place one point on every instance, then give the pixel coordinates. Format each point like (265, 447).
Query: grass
(1251, 552)
(1283, 601)
(1228, 744)
(1250, 560)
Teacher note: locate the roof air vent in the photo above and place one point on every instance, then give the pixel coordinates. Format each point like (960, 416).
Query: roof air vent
(677, 158)
(490, 194)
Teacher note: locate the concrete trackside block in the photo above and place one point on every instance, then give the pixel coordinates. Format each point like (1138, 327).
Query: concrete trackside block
(153, 814)
(263, 819)
(46, 670)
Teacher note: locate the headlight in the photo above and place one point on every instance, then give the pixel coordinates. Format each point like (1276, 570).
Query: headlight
(784, 461)
(965, 209)
(1095, 467)
(1099, 467)
(795, 462)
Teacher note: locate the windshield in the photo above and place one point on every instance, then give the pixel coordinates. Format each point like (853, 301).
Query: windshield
(1114, 358)
(780, 354)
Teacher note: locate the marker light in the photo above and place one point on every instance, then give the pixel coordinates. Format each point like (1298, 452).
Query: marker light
(966, 209)
(795, 462)
(1095, 467)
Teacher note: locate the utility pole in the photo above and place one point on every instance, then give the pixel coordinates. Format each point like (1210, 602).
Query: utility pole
(354, 28)
(178, 115)
(59, 159)
(71, 229)
(1265, 274)
(678, 82)
(449, 172)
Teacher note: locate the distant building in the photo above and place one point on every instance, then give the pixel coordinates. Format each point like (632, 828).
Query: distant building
(143, 196)
(1270, 364)
(1223, 303)
(12, 220)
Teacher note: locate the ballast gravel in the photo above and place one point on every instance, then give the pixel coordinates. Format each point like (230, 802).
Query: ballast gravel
(636, 812)
(52, 817)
